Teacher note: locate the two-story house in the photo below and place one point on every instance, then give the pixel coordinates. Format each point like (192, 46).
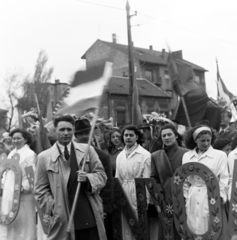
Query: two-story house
(150, 65)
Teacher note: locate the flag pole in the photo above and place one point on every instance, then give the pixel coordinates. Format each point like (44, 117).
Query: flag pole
(37, 103)
(69, 226)
(186, 111)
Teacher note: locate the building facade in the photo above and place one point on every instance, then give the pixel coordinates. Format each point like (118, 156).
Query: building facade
(149, 64)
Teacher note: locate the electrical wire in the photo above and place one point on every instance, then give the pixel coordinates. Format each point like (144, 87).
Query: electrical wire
(161, 20)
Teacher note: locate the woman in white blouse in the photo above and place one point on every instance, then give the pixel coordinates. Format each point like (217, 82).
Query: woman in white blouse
(24, 226)
(133, 162)
(199, 140)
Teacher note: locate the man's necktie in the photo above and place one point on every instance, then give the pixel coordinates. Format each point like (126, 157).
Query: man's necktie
(221, 133)
(66, 153)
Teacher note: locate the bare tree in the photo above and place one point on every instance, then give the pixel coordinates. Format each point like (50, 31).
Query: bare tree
(38, 85)
(12, 86)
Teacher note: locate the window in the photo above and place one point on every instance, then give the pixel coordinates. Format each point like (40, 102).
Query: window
(121, 117)
(197, 79)
(149, 75)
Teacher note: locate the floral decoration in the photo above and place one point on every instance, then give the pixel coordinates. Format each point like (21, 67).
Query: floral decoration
(169, 209)
(180, 177)
(208, 176)
(11, 214)
(216, 220)
(198, 238)
(191, 167)
(213, 233)
(213, 201)
(12, 164)
(177, 180)
(46, 218)
(234, 207)
(141, 196)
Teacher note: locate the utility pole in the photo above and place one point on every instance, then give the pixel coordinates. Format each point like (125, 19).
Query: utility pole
(130, 63)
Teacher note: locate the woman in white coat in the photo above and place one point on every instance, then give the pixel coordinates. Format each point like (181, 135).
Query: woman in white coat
(133, 162)
(24, 226)
(199, 139)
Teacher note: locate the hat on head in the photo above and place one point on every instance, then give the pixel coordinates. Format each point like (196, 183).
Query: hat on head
(82, 125)
(144, 126)
(221, 143)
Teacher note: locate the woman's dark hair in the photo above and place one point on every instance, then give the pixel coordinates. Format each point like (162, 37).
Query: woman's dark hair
(64, 118)
(110, 144)
(174, 130)
(189, 141)
(136, 131)
(26, 135)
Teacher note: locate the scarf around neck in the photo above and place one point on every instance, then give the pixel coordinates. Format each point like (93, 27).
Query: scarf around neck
(128, 151)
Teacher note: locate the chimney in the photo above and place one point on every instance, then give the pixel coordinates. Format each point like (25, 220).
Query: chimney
(163, 53)
(114, 38)
(150, 47)
(57, 81)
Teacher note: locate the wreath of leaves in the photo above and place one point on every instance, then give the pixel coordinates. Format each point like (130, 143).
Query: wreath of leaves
(213, 198)
(11, 164)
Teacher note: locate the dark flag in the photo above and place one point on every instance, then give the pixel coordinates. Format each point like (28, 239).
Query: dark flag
(222, 91)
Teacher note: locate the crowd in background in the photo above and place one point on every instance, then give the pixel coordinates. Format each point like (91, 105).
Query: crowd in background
(153, 150)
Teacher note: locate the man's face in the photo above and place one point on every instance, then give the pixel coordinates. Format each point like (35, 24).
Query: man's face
(64, 132)
(225, 119)
(130, 138)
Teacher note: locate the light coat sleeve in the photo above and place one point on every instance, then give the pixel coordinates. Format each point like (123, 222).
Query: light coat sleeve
(97, 176)
(223, 176)
(43, 195)
(147, 167)
(231, 161)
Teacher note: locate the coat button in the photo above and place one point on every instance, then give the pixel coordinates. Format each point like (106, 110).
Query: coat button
(58, 186)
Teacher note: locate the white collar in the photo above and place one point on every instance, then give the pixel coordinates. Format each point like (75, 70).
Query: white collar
(62, 147)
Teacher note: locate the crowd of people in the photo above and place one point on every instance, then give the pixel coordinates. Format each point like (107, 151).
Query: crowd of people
(146, 151)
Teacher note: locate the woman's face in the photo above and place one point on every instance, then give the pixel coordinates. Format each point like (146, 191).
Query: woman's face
(168, 137)
(18, 140)
(203, 142)
(227, 149)
(115, 138)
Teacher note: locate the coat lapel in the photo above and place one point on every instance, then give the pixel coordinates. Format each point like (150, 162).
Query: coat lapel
(164, 167)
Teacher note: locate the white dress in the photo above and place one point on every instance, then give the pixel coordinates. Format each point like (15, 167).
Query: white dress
(24, 225)
(197, 208)
(231, 161)
(137, 165)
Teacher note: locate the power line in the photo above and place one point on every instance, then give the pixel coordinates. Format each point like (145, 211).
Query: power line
(186, 29)
(101, 5)
(161, 20)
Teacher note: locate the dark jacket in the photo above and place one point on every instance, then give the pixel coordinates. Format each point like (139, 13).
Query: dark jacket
(106, 191)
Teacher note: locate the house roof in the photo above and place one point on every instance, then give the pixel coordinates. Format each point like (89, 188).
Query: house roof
(120, 85)
(145, 55)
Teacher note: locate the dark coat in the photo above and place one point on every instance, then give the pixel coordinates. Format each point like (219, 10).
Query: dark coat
(163, 165)
(106, 191)
(228, 133)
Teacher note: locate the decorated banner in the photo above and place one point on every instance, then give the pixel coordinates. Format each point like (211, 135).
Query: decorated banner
(173, 217)
(232, 221)
(11, 177)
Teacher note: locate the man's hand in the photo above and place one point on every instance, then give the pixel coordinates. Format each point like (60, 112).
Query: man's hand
(81, 176)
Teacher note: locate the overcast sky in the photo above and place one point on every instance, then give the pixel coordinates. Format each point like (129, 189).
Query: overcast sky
(65, 29)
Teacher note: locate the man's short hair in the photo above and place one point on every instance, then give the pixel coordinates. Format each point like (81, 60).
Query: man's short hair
(229, 114)
(64, 118)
